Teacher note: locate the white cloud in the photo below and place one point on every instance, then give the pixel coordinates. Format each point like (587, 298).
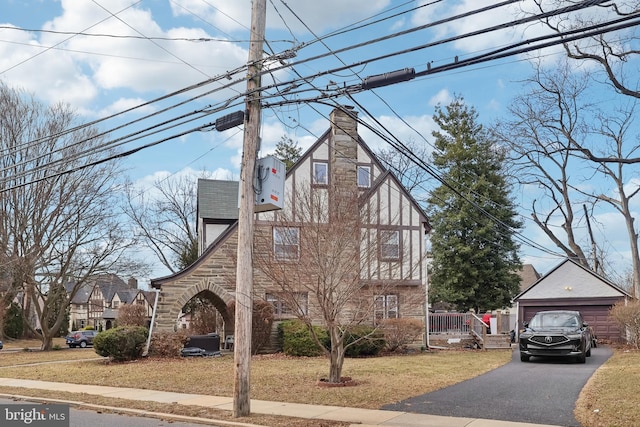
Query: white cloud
(317, 15)
(443, 97)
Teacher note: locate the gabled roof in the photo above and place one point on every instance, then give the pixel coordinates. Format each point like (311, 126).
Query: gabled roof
(127, 295)
(157, 283)
(82, 294)
(528, 276)
(388, 175)
(218, 199)
(571, 280)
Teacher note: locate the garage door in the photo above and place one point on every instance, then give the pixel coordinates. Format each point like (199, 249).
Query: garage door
(597, 316)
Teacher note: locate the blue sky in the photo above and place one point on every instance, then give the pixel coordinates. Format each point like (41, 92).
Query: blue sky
(163, 46)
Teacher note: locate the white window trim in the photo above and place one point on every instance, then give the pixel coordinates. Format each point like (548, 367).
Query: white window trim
(315, 174)
(361, 169)
(388, 243)
(386, 307)
(283, 245)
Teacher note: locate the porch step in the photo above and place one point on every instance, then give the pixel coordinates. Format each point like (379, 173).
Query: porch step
(497, 341)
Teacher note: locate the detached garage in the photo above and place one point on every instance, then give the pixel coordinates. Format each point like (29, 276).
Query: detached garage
(570, 286)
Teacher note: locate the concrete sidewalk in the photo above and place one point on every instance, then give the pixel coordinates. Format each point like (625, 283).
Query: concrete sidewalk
(359, 417)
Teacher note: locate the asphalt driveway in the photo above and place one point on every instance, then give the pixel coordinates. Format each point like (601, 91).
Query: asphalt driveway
(542, 391)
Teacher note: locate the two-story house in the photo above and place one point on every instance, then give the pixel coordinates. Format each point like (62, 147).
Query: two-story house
(391, 229)
(96, 303)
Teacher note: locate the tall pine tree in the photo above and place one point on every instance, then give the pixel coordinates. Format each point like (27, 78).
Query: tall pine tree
(475, 256)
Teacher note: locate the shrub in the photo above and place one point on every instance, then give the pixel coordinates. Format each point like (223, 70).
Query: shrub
(261, 323)
(296, 339)
(13, 321)
(363, 341)
(398, 333)
(627, 316)
(167, 344)
(121, 343)
(132, 315)
(89, 328)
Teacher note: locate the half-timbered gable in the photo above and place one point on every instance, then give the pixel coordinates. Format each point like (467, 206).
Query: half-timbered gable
(340, 177)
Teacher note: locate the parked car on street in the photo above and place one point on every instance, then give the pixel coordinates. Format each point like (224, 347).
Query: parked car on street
(556, 333)
(80, 338)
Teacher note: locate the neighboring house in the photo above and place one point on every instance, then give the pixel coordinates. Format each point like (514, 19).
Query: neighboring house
(338, 161)
(570, 286)
(97, 302)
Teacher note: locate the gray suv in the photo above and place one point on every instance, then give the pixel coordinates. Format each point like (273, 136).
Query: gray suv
(556, 333)
(80, 338)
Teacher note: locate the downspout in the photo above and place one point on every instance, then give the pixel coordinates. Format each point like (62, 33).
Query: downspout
(153, 320)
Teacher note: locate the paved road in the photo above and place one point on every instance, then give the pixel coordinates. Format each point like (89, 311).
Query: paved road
(84, 418)
(542, 391)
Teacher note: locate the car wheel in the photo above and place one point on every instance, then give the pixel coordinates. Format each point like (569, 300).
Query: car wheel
(72, 346)
(83, 344)
(524, 358)
(582, 358)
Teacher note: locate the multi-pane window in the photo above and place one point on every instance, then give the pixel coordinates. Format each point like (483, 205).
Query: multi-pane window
(320, 173)
(364, 176)
(286, 243)
(389, 244)
(282, 308)
(385, 307)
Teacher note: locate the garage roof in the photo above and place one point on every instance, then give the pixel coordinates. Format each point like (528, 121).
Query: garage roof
(571, 280)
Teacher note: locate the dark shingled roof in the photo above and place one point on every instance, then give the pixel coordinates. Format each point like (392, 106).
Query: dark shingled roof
(217, 199)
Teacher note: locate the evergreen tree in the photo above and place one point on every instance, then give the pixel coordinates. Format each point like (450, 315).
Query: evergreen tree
(288, 151)
(475, 257)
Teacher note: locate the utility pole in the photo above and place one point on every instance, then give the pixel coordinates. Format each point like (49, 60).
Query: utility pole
(244, 268)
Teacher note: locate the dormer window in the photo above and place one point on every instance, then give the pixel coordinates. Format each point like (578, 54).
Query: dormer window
(320, 173)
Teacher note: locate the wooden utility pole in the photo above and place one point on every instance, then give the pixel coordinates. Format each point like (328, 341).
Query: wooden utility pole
(244, 272)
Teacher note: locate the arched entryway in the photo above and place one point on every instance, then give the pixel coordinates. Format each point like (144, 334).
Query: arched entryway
(174, 296)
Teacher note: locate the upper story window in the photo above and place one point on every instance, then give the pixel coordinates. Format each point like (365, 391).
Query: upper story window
(320, 173)
(364, 176)
(389, 244)
(286, 243)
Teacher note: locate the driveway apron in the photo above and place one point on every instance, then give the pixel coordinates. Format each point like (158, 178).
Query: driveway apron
(542, 391)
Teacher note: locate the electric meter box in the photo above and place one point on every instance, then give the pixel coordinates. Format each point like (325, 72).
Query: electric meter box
(270, 177)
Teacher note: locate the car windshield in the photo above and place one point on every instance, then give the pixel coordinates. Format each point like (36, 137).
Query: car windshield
(554, 320)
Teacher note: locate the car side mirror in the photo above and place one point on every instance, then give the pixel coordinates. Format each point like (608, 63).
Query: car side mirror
(585, 325)
(525, 324)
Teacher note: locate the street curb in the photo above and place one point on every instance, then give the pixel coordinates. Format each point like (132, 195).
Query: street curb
(138, 412)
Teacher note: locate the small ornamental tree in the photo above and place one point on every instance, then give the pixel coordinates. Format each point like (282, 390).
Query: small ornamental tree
(132, 315)
(261, 323)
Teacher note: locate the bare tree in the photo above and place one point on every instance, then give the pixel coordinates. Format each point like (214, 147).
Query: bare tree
(320, 252)
(165, 217)
(56, 227)
(566, 144)
(414, 177)
(615, 52)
